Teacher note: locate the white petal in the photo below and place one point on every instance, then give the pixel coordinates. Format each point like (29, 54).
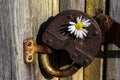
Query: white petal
(86, 21)
(71, 26)
(84, 34)
(71, 22)
(83, 20)
(86, 25)
(81, 35)
(78, 19)
(85, 30)
(72, 30)
(77, 35)
(75, 32)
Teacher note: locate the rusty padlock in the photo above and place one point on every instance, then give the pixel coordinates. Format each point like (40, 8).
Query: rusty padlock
(72, 31)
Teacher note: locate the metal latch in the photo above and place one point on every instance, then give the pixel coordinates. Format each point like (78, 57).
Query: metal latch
(72, 31)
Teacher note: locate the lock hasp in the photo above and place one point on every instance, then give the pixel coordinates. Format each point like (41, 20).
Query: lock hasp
(58, 37)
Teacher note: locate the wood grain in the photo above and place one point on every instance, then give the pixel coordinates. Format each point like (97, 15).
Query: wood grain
(5, 40)
(41, 10)
(94, 70)
(113, 63)
(94, 7)
(78, 75)
(72, 4)
(114, 10)
(14, 24)
(20, 19)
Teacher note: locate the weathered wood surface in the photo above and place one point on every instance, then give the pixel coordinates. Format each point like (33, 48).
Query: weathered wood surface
(72, 4)
(94, 70)
(14, 26)
(20, 19)
(94, 7)
(113, 54)
(5, 48)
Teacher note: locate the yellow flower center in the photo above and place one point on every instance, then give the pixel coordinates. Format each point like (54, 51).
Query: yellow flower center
(79, 26)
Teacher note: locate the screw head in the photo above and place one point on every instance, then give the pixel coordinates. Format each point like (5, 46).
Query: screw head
(30, 58)
(86, 61)
(29, 44)
(69, 16)
(49, 41)
(95, 33)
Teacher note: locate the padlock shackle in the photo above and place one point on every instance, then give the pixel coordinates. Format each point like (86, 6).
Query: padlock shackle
(47, 67)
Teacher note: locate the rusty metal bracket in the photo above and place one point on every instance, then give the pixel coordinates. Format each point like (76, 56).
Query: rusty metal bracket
(30, 48)
(110, 29)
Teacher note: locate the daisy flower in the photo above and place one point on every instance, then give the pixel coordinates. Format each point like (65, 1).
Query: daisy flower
(78, 28)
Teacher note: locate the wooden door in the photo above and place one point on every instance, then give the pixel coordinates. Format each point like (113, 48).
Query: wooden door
(20, 19)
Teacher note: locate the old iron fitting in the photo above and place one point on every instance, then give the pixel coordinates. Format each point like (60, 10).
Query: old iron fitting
(110, 29)
(30, 48)
(60, 34)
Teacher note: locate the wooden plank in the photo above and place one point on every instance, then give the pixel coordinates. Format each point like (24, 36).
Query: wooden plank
(14, 27)
(41, 10)
(20, 19)
(94, 7)
(74, 5)
(115, 10)
(94, 70)
(113, 63)
(5, 40)
(78, 75)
